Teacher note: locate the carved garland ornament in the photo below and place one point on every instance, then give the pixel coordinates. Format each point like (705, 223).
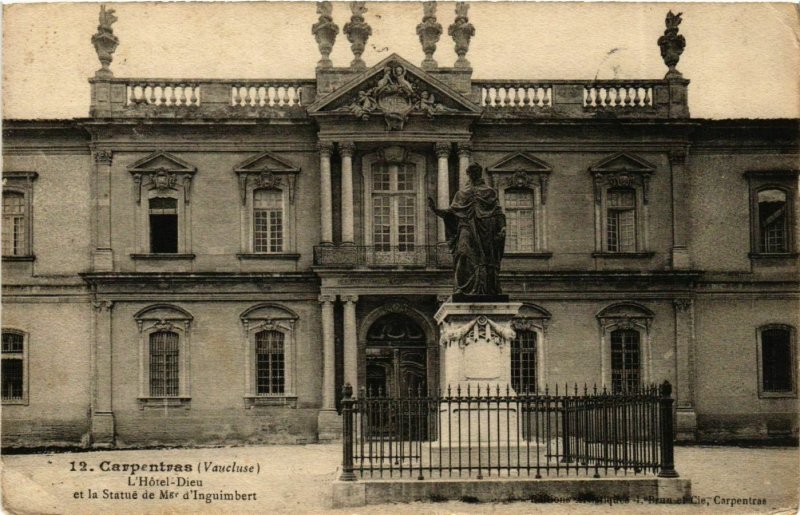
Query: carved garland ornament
(161, 180)
(480, 328)
(621, 180)
(395, 97)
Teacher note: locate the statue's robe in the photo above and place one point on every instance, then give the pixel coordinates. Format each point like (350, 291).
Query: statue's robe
(473, 227)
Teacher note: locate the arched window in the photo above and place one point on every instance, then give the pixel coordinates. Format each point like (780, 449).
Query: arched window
(626, 363)
(776, 356)
(164, 364)
(267, 221)
(164, 356)
(524, 361)
(14, 224)
(772, 221)
(520, 220)
(621, 220)
(270, 363)
(14, 370)
(270, 358)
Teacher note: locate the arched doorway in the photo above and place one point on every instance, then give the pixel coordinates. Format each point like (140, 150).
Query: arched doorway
(397, 357)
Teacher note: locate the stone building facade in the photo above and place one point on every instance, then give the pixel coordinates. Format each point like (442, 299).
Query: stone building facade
(208, 261)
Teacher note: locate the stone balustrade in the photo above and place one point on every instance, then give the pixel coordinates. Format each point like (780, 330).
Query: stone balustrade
(288, 98)
(162, 93)
(516, 94)
(632, 95)
(200, 98)
(272, 93)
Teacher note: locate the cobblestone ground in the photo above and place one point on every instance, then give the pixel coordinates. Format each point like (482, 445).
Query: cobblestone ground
(296, 479)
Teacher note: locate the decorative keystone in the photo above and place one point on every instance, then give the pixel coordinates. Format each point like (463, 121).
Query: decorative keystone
(429, 32)
(358, 32)
(105, 42)
(325, 32)
(461, 31)
(672, 45)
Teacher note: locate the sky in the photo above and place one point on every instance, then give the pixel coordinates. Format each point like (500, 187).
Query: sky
(743, 60)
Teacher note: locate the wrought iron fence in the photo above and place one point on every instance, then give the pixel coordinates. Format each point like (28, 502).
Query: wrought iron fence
(486, 432)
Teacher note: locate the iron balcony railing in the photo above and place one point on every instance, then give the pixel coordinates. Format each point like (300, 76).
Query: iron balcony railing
(378, 256)
(484, 432)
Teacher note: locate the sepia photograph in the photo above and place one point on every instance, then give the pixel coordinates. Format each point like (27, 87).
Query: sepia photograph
(400, 257)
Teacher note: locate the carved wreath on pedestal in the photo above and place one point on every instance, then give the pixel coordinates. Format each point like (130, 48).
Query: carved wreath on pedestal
(395, 97)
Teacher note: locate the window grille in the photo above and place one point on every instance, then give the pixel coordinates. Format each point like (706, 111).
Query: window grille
(13, 366)
(621, 220)
(163, 225)
(776, 360)
(270, 363)
(394, 207)
(267, 221)
(164, 366)
(772, 221)
(14, 224)
(625, 360)
(523, 362)
(519, 209)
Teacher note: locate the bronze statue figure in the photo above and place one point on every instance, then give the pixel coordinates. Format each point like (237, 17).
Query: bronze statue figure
(475, 227)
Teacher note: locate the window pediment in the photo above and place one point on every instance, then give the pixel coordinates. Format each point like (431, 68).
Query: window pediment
(625, 315)
(162, 172)
(622, 170)
(520, 170)
(267, 317)
(266, 170)
(163, 314)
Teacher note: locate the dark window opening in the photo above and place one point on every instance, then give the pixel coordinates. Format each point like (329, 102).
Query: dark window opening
(776, 360)
(13, 366)
(163, 226)
(164, 365)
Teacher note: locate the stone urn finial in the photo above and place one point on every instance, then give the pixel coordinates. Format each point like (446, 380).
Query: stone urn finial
(105, 42)
(429, 32)
(358, 32)
(672, 45)
(461, 31)
(325, 32)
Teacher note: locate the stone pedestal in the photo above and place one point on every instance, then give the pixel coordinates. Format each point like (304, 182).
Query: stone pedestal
(475, 358)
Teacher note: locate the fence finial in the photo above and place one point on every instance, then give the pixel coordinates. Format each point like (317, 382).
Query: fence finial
(347, 391)
(665, 389)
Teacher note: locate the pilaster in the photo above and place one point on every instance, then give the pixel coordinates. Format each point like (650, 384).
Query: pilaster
(680, 258)
(103, 257)
(686, 417)
(102, 402)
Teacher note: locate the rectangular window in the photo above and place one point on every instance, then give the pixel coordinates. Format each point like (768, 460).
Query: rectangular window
(267, 221)
(164, 364)
(625, 360)
(621, 220)
(523, 362)
(163, 225)
(776, 361)
(14, 224)
(13, 367)
(519, 221)
(772, 221)
(394, 207)
(270, 364)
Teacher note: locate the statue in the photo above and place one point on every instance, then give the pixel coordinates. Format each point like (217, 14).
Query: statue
(105, 42)
(476, 233)
(325, 32)
(672, 44)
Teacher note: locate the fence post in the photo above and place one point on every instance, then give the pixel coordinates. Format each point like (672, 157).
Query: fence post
(667, 431)
(347, 434)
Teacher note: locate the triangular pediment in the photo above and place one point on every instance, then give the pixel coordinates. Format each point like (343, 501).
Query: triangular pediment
(266, 162)
(519, 162)
(623, 162)
(373, 88)
(161, 160)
